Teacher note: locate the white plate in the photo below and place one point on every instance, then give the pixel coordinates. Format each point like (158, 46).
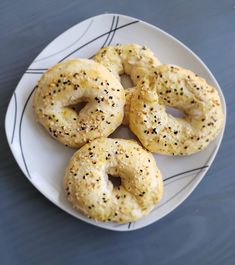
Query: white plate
(43, 160)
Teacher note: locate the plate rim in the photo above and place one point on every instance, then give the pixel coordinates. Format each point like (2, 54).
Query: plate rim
(200, 175)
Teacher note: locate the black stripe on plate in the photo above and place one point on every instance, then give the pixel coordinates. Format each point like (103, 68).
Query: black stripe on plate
(109, 32)
(36, 69)
(188, 171)
(20, 136)
(15, 115)
(100, 36)
(114, 30)
(34, 73)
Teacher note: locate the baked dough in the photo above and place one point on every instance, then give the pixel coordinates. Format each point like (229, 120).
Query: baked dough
(88, 187)
(179, 88)
(69, 83)
(131, 59)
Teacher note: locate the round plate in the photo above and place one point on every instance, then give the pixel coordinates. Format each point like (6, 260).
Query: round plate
(43, 160)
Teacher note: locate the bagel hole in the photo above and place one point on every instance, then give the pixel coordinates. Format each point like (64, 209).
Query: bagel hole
(115, 180)
(175, 112)
(126, 81)
(78, 106)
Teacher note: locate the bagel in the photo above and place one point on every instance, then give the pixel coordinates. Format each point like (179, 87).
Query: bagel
(179, 88)
(131, 59)
(88, 187)
(69, 83)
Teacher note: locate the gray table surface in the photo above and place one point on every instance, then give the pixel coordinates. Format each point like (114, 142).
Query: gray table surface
(202, 229)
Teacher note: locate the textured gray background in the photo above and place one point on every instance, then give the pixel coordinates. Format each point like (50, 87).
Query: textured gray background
(202, 229)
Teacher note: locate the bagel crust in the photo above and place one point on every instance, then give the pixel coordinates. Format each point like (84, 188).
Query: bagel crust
(89, 189)
(179, 88)
(131, 59)
(69, 83)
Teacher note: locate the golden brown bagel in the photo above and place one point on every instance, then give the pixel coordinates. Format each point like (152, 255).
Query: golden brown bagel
(69, 83)
(131, 59)
(88, 187)
(179, 88)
